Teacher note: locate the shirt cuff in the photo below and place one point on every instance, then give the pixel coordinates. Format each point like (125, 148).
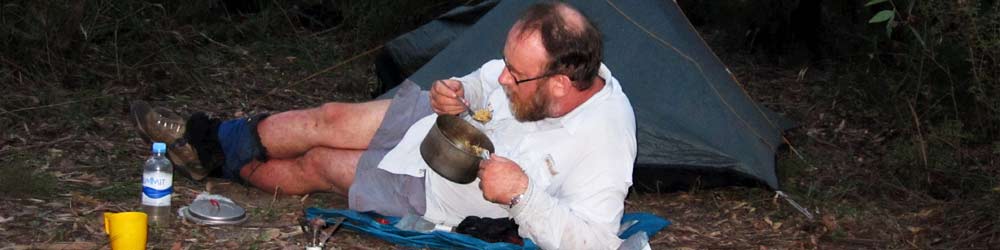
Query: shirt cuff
(525, 201)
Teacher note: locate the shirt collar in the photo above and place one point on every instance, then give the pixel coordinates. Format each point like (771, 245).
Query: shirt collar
(574, 119)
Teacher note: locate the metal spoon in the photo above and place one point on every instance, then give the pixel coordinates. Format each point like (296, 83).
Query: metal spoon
(468, 110)
(465, 103)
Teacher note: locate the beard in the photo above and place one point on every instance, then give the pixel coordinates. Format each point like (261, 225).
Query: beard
(534, 109)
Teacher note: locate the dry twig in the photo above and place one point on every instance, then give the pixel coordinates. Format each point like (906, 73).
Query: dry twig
(920, 133)
(48, 143)
(55, 105)
(328, 69)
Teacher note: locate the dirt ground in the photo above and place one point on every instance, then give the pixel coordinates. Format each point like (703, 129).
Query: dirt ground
(725, 218)
(68, 152)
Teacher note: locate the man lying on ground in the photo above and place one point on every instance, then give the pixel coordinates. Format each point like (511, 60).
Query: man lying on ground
(563, 129)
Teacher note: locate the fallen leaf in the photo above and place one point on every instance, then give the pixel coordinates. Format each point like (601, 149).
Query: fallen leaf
(776, 225)
(291, 234)
(739, 205)
(176, 246)
(85, 199)
(717, 223)
(769, 222)
(88, 178)
(67, 246)
(925, 213)
(57, 174)
(271, 234)
(2, 219)
(829, 221)
(55, 204)
(55, 152)
(915, 230)
(91, 229)
(688, 229)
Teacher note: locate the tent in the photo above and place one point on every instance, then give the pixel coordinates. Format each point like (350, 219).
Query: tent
(694, 121)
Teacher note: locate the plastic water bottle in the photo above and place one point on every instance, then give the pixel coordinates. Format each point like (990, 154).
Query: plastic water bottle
(157, 185)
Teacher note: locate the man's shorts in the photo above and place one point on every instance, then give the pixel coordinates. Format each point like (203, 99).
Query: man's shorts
(378, 190)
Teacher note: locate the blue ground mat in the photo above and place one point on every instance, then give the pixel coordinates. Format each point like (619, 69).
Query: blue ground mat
(369, 223)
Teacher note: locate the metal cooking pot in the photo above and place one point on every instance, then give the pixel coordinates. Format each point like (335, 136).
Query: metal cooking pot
(445, 149)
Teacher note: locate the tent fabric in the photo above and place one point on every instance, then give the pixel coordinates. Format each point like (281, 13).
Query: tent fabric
(368, 223)
(691, 113)
(405, 54)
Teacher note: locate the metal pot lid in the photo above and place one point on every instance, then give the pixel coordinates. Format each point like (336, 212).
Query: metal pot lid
(212, 211)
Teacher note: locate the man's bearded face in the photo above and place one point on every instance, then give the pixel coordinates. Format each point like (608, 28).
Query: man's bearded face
(525, 56)
(532, 108)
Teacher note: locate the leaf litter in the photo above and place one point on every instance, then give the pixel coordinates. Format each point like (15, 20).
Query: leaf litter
(103, 150)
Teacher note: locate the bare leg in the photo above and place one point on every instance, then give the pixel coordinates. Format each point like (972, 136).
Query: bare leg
(334, 125)
(321, 169)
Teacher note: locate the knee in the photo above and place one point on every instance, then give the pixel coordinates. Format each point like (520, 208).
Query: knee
(312, 162)
(328, 169)
(325, 162)
(332, 110)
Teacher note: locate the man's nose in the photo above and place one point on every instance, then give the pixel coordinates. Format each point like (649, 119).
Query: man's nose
(506, 79)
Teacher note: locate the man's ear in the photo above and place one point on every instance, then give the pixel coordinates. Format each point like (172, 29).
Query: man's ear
(562, 85)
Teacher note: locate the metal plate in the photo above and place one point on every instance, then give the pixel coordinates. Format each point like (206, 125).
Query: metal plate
(214, 212)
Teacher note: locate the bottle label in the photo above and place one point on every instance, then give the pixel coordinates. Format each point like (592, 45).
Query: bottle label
(157, 188)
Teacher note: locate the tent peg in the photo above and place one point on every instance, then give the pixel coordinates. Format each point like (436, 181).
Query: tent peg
(801, 209)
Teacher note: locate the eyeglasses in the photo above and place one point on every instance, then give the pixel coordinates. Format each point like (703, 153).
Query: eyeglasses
(518, 82)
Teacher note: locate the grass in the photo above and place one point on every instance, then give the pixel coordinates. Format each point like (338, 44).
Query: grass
(265, 212)
(119, 191)
(21, 178)
(69, 71)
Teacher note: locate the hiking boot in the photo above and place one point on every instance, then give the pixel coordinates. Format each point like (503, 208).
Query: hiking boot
(161, 125)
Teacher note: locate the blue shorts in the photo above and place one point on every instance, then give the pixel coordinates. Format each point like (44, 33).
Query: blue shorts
(381, 191)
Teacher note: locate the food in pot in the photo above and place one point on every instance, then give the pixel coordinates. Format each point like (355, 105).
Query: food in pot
(474, 149)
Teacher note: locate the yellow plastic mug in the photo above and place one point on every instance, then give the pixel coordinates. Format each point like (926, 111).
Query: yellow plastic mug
(127, 230)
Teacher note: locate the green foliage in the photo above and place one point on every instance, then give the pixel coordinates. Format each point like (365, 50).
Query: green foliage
(934, 167)
(945, 65)
(49, 41)
(18, 180)
(267, 212)
(874, 2)
(119, 191)
(883, 16)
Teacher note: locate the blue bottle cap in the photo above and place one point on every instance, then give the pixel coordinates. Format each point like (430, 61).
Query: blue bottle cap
(159, 147)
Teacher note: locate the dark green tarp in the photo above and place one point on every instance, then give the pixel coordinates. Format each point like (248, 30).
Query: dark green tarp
(691, 114)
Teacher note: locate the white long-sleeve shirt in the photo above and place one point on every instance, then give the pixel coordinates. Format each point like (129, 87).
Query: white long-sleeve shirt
(579, 166)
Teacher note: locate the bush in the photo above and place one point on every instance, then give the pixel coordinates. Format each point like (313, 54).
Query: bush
(948, 56)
